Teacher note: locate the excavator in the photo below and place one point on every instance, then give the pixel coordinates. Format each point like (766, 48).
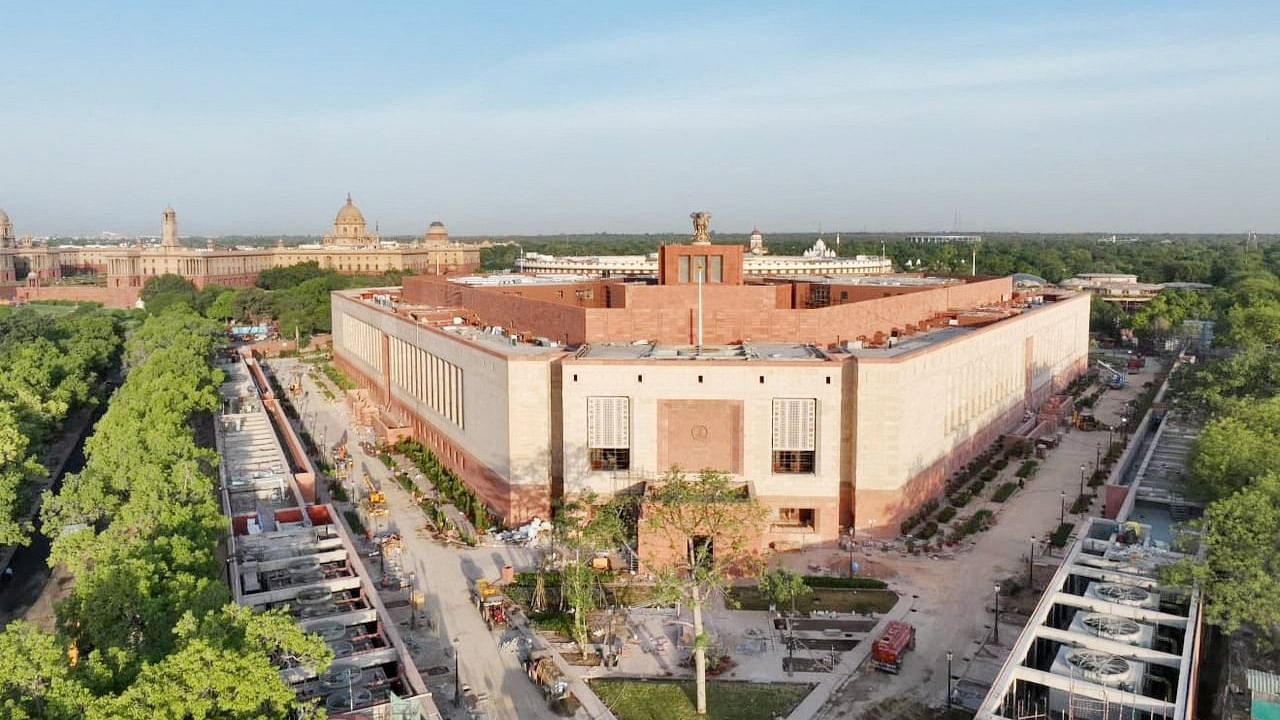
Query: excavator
(376, 496)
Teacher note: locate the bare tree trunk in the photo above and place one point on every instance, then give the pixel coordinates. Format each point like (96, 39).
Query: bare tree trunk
(699, 652)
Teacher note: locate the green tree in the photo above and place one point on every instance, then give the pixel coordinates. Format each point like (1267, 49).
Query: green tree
(784, 587)
(1240, 570)
(36, 681)
(223, 307)
(162, 291)
(706, 528)
(582, 527)
(221, 668)
(1237, 446)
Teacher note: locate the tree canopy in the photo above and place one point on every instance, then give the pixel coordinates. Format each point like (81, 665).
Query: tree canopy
(147, 618)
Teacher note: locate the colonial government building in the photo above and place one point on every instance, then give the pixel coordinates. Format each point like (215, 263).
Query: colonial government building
(350, 248)
(841, 402)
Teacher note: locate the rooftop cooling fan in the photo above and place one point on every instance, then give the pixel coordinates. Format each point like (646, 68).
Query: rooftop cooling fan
(1100, 666)
(1126, 594)
(1112, 627)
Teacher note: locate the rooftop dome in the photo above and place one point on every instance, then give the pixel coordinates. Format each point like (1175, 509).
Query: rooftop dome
(3, 218)
(436, 233)
(349, 214)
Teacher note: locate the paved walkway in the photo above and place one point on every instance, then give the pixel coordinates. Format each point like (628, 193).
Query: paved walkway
(951, 601)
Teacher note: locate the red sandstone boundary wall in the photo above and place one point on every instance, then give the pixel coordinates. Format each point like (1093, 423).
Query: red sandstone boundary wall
(727, 318)
(731, 313)
(544, 318)
(120, 298)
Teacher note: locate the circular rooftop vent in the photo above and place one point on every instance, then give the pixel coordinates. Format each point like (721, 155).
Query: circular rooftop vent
(1100, 667)
(1124, 594)
(1113, 627)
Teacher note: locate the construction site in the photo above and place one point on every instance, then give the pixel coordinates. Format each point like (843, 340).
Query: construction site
(1108, 640)
(287, 552)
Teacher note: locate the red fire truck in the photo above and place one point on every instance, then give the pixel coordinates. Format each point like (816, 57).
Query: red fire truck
(897, 640)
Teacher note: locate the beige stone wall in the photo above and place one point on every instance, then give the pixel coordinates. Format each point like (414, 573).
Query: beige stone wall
(921, 416)
(654, 387)
(506, 401)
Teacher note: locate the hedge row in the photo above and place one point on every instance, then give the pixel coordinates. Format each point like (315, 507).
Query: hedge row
(855, 583)
(918, 516)
(1004, 491)
(446, 482)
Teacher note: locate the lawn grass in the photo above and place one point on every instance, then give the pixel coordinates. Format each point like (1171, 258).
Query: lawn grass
(834, 599)
(726, 700)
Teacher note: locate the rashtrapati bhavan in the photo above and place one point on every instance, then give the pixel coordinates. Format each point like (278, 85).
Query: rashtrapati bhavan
(350, 248)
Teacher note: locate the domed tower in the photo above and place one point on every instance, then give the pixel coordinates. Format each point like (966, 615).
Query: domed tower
(350, 228)
(757, 243)
(436, 234)
(8, 273)
(169, 231)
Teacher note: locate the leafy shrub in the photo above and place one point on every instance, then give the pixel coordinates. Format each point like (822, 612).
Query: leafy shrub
(1059, 537)
(946, 513)
(1000, 464)
(988, 475)
(1028, 469)
(1081, 504)
(960, 499)
(855, 583)
(1004, 491)
(929, 530)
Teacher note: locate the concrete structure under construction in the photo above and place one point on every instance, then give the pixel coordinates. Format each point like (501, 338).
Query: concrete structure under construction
(842, 403)
(350, 249)
(286, 552)
(1109, 640)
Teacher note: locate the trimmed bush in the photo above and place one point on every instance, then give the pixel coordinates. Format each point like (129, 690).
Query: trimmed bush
(960, 499)
(946, 513)
(1028, 469)
(853, 583)
(929, 530)
(1059, 537)
(1081, 504)
(1004, 491)
(989, 474)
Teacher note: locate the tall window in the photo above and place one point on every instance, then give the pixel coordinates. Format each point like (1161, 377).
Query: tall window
(794, 435)
(684, 268)
(609, 433)
(717, 270)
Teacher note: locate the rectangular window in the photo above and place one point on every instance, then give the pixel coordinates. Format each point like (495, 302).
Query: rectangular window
(717, 270)
(609, 433)
(794, 434)
(684, 268)
(793, 462)
(610, 459)
(796, 518)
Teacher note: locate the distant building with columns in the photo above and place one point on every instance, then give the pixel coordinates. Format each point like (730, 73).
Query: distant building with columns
(349, 249)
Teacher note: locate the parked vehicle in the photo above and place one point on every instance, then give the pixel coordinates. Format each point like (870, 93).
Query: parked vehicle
(898, 639)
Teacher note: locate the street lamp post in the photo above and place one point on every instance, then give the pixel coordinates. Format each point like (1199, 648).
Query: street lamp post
(457, 676)
(949, 656)
(1082, 467)
(1031, 567)
(996, 631)
(1097, 456)
(1062, 513)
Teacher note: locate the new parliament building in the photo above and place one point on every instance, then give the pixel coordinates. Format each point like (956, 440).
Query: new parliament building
(842, 402)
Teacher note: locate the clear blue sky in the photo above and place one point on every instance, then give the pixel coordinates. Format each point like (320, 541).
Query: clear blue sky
(258, 117)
